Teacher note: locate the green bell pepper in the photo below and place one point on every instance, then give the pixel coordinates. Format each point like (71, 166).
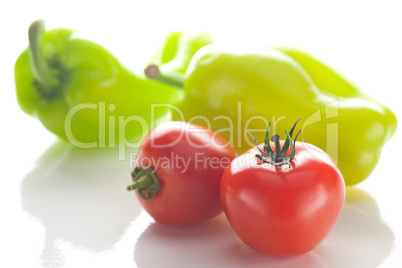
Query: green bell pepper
(80, 91)
(233, 91)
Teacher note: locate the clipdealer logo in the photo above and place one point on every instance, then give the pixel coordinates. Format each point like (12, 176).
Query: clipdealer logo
(116, 126)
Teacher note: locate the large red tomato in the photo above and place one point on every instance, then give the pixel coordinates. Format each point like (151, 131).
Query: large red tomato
(178, 171)
(283, 209)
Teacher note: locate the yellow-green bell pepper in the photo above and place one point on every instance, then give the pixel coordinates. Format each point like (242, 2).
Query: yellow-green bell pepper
(230, 91)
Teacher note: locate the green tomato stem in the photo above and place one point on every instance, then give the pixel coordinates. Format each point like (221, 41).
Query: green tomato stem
(145, 182)
(170, 78)
(279, 157)
(44, 75)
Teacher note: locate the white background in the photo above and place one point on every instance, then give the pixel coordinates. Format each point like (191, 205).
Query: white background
(62, 207)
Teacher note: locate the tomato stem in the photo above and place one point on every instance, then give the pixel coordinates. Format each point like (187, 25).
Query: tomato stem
(279, 157)
(145, 182)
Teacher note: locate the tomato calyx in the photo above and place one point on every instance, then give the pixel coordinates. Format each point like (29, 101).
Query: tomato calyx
(145, 182)
(279, 157)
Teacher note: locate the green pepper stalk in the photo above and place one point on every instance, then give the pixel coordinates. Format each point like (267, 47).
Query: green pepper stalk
(80, 91)
(174, 56)
(177, 50)
(50, 74)
(229, 90)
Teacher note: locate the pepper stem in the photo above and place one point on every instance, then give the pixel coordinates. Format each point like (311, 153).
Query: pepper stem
(145, 182)
(170, 78)
(44, 75)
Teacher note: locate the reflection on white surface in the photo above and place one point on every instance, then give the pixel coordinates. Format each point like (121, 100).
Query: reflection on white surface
(359, 239)
(210, 244)
(79, 197)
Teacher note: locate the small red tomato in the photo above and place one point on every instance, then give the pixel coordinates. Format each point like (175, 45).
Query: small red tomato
(282, 204)
(178, 171)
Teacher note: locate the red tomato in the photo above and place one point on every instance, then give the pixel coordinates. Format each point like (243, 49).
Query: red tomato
(283, 210)
(179, 168)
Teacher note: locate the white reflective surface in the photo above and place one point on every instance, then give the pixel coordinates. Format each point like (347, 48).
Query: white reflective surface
(77, 212)
(66, 207)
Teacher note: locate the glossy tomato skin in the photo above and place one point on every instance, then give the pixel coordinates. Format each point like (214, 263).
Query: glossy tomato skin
(283, 211)
(189, 161)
